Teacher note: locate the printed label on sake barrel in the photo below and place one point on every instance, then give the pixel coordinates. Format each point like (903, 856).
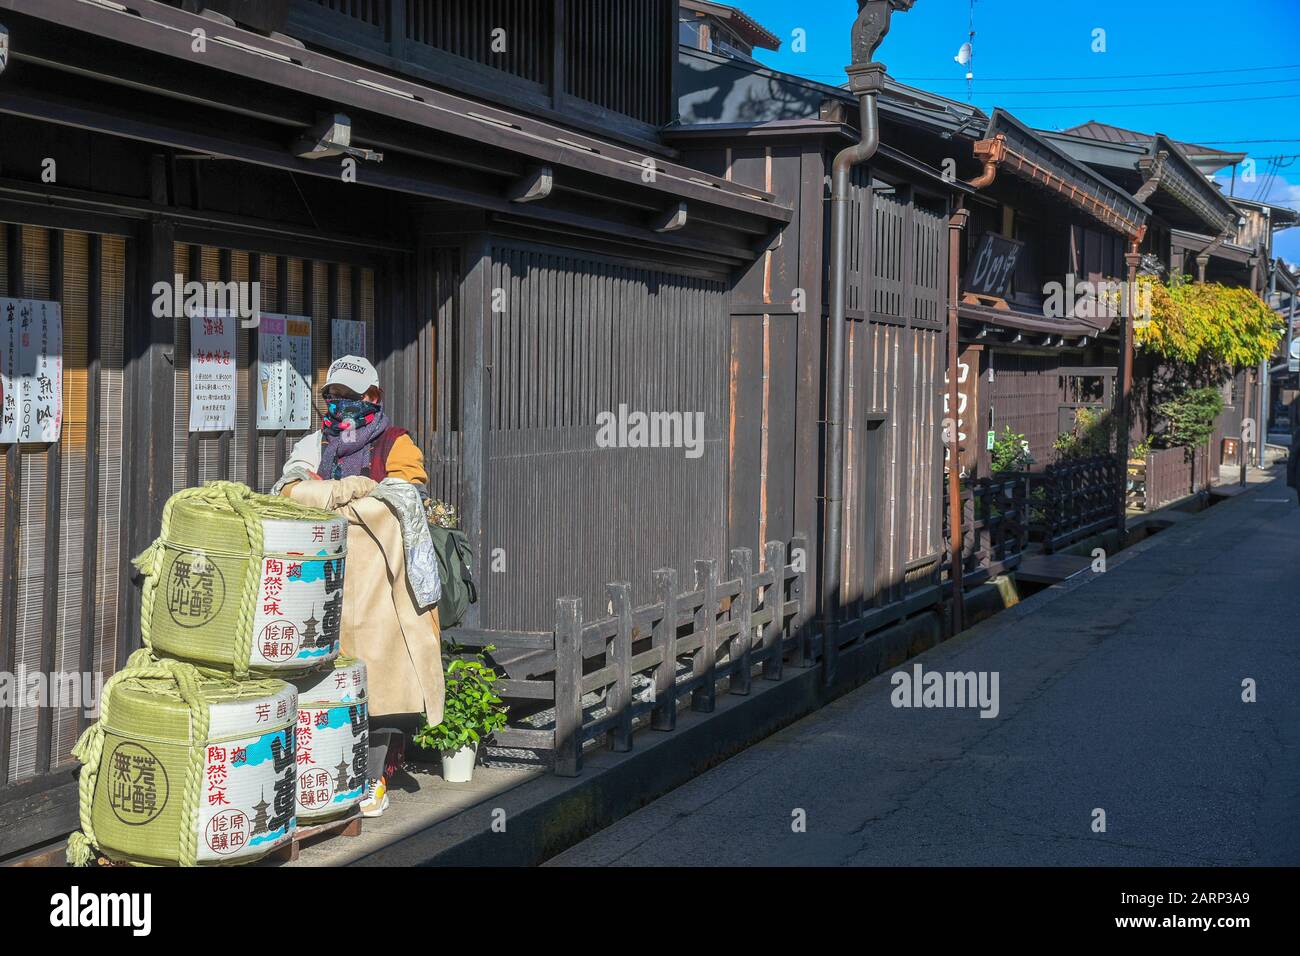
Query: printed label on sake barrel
(248, 802)
(300, 597)
(332, 740)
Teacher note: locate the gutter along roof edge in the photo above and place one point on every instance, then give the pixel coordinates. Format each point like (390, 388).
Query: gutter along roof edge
(1201, 198)
(1202, 188)
(1003, 122)
(166, 30)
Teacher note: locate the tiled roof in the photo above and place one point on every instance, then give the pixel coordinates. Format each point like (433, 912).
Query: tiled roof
(1117, 134)
(742, 22)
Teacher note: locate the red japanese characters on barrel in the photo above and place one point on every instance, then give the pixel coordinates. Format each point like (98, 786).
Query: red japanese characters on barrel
(331, 740)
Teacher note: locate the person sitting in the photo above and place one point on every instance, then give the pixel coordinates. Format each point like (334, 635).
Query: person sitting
(387, 626)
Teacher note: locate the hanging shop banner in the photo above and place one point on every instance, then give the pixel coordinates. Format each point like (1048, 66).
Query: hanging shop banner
(31, 376)
(347, 338)
(284, 373)
(213, 363)
(992, 266)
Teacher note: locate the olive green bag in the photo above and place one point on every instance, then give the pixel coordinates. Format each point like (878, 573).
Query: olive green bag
(454, 569)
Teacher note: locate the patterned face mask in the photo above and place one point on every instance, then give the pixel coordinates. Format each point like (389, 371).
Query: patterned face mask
(342, 414)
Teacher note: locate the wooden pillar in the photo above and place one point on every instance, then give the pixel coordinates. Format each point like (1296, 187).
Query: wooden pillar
(1132, 259)
(956, 224)
(150, 379)
(476, 301)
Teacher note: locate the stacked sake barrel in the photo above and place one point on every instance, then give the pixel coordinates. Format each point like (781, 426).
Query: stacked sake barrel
(183, 769)
(244, 584)
(332, 741)
(204, 750)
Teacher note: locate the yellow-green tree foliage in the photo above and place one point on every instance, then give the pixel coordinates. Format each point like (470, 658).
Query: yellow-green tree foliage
(1206, 323)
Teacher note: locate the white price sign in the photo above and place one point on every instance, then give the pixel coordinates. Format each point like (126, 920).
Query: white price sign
(31, 371)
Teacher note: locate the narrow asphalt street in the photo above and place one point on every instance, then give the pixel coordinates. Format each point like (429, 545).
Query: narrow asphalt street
(1121, 693)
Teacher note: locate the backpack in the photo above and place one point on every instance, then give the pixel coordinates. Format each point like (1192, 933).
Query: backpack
(449, 545)
(454, 567)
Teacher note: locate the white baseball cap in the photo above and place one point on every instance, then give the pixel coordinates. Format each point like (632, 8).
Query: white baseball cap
(352, 372)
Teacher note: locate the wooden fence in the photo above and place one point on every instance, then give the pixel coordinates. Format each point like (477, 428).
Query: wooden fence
(1170, 474)
(995, 519)
(1072, 499)
(636, 663)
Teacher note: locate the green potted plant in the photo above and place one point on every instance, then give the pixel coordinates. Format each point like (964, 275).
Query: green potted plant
(1010, 453)
(471, 713)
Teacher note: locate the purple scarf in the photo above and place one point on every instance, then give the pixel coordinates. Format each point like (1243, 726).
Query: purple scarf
(345, 451)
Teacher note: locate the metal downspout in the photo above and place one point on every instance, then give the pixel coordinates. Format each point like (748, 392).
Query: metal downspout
(991, 152)
(866, 78)
(833, 501)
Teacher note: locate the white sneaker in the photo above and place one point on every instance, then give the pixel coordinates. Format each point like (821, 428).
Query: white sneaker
(376, 799)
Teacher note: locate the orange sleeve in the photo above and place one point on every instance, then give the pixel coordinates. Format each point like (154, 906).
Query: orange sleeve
(405, 461)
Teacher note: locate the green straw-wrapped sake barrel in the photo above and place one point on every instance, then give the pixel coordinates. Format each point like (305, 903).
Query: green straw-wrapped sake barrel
(183, 769)
(332, 741)
(241, 583)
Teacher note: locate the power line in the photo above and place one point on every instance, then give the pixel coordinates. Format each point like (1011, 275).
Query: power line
(1130, 89)
(1090, 76)
(1133, 106)
(1239, 142)
(1093, 76)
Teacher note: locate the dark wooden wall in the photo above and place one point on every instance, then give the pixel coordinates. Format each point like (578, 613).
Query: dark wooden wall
(897, 273)
(605, 63)
(571, 335)
(895, 361)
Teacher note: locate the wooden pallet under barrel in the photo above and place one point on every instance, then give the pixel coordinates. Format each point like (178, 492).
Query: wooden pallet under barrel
(346, 826)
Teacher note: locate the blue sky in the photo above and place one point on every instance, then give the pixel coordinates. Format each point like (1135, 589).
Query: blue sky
(1021, 43)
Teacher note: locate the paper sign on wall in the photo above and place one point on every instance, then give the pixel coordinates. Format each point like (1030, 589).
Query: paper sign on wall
(347, 338)
(213, 363)
(284, 373)
(31, 369)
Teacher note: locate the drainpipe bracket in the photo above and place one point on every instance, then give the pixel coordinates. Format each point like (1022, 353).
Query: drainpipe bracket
(866, 77)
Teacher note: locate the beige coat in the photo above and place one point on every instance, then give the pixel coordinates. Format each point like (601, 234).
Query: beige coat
(381, 624)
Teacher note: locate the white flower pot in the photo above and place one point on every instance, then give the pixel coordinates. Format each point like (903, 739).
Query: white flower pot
(458, 767)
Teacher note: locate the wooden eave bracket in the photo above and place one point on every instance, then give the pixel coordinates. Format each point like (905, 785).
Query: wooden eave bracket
(671, 219)
(1153, 169)
(535, 184)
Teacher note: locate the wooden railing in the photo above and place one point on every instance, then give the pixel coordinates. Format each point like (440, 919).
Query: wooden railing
(1072, 499)
(995, 522)
(636, 663)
